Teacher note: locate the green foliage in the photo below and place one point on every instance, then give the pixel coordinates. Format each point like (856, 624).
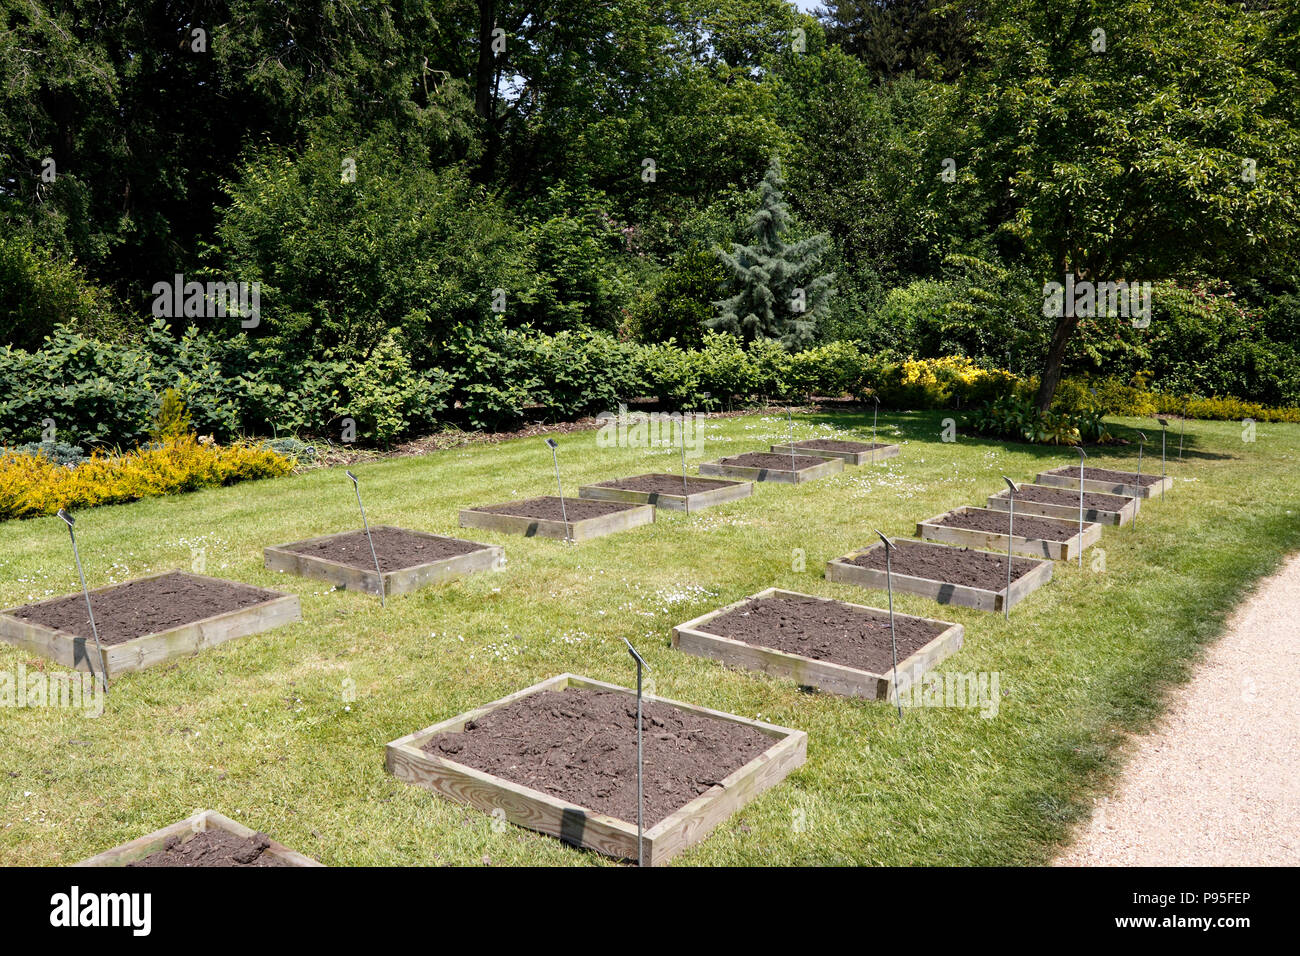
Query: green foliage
(40, 290)
(172, 419)
(387, 398)
(1019, 419)
(778, 296)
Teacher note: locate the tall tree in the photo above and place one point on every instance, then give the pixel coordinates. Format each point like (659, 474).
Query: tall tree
(778, 296)
(1135, 141)
(928, 38)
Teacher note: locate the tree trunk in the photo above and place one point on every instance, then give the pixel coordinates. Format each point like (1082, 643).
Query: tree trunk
(1065, 327)
(486, 73)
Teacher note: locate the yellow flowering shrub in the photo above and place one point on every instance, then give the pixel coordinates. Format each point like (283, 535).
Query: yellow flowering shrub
(941, 383)
(33, 485)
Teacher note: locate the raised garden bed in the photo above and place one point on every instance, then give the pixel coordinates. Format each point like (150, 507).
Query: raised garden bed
(409, 560)
(542, 517)
(146, 621)
(206, 839)
(520, 755)
(1053, 502)
(1109, 482)
(667, 491)
(1033, 535)
(850, 452)
(762, 466)
(949, 575)
(832, 645)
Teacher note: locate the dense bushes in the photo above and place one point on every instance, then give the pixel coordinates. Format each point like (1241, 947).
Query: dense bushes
(492, 377)
(34, 484)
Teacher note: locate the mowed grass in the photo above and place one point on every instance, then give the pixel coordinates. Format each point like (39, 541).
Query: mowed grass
(259, 728)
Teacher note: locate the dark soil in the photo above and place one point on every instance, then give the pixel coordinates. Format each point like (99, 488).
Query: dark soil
(667, 484)
(758, 459)
(213, 848)
(824, 631)
(580, 745)
(548, 508)
(394, 547)
(1095, 500)
(1024, 526)
(135, 608)
(976, 569)
(1105, 474)
(835, 444)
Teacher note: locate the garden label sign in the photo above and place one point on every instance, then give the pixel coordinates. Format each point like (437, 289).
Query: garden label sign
(1164, 427)
(94, 631)
(1082, 455)
(356, 486)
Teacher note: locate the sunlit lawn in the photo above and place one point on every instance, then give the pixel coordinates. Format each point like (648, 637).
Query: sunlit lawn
(259, 729)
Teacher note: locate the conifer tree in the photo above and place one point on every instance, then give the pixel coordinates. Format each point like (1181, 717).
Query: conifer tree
(777, 296)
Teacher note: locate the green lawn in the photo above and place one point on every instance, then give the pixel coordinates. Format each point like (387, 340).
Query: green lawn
(258, 728)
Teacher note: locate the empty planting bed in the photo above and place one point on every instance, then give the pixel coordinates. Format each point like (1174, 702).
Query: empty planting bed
(832, 645)
(1033, 535)
(578, 519)
(408, 560)
(949, 575)
(1053, 502)
(146, 621)
(560, 757)
(763, 466)
(668, 491)
(206, 839)
(850, 452)
(1106, 481)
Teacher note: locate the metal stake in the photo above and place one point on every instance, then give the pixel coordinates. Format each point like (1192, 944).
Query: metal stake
(94, 631)
(1182, 427)
(790, 428)
(640, 764)
(1082, 455)
(893, 641)
(1142, 441)
(553, 445)
(1011, 522)
(1164, 426)
(356, 486)
(874, 416)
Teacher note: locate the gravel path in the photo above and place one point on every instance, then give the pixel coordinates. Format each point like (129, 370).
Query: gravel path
(1217, 783)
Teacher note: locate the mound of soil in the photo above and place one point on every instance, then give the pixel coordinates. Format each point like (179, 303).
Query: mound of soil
(395, 548)
(667, 484)
(976, 569)
(148, 606)
(758, 459)
(213, 848)
(836, 444)
(1105, 474)
(548, 508)
(1024, 526)
(580, 745)
(1095, 500)
(824, 630)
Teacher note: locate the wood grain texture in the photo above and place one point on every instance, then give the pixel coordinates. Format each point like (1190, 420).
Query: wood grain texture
(829, 466)
(843, 571)
(692, 502)
(149, 649)
(577, 825)
(282, 557)
(693, 638)
(930, 529)
(582, 530)
(1047, 509)
(848, 457)
(1062, 478)
(141, 847)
